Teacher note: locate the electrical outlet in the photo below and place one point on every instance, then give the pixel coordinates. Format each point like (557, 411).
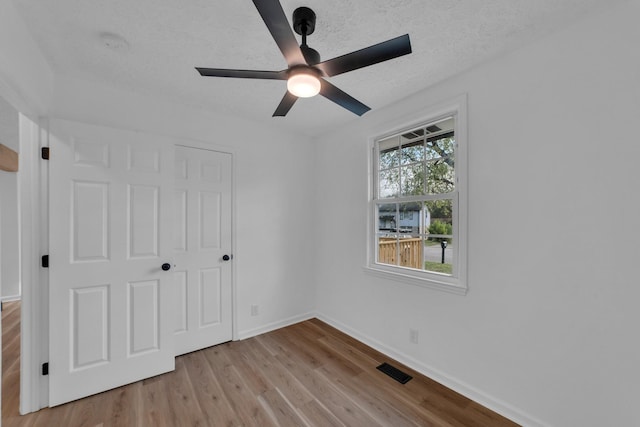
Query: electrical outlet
(413, 336)
(254, 310)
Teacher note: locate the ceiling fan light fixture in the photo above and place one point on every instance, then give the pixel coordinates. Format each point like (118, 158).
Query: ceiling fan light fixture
(303, 83)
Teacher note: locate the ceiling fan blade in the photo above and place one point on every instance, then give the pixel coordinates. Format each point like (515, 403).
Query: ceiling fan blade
(285, 105)
(341, 98)
(243, 74)
(278, 25)
(368, 56)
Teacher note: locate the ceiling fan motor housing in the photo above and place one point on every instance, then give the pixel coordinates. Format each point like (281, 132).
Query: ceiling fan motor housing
(304, 21)
(311, 55)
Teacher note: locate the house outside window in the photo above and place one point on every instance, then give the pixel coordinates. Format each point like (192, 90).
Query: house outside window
(418, 206)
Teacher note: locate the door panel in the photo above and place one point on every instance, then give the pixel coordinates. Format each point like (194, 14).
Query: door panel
(180, 221)
(210, 304)
(210, 217)
(143, 316)
(142, 226)
(111, 317)
(90, 221)
(202, 236)
(90, 322)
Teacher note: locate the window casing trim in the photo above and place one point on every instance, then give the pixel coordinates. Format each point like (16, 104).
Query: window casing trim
(457, 283)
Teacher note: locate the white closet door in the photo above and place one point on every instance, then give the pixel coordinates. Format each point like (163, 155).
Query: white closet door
(202, 242)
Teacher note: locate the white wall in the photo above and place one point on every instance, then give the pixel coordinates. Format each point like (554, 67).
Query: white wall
(9, 240)
(273, 198)
(548, 333)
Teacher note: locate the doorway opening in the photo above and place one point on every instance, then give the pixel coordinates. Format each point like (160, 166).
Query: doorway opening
(10, 262)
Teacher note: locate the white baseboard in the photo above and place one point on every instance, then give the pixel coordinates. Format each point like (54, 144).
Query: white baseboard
(263, 329)
(464, 389)
(11, 298)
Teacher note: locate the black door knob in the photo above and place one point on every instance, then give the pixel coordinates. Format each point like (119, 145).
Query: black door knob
(226, 257)
(166, 266)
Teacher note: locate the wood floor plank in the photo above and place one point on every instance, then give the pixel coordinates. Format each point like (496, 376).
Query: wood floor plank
(155, 402)
(410, 409)
(253, 376)
(184, 408)
(317, 414)
(280, 409)
(353, 354)
(328, 330)
(279, 376)
(213, 402)
(57, 416)
(307, 374)
(340, 405)
(374, 405)
(291, 343)
(311, 349)
(85, 413)
(245, 404)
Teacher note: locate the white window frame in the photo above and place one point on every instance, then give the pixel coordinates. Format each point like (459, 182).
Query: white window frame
(457, 282)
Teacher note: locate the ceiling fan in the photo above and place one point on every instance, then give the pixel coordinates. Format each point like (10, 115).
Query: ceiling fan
(305, 73)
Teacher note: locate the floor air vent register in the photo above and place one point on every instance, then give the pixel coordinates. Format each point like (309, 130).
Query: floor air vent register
(394, 373)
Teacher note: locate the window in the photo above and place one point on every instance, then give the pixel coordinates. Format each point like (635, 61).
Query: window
(418, 205)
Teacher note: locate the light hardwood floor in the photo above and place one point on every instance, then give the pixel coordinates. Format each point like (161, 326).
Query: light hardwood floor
(308, 374)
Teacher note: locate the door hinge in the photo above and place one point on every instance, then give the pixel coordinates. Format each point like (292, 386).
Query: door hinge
(45, 261)
(45, 153)
(45, 368)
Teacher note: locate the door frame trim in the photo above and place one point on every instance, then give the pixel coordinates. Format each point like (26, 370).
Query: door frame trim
(34, 235)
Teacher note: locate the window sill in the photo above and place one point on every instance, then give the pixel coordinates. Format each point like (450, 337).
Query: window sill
(431, 282)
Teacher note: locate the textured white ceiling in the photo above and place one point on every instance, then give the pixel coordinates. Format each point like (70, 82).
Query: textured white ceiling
(165, 39)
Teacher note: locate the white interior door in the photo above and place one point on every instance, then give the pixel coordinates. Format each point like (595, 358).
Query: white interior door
(111, 318)
(202, 238)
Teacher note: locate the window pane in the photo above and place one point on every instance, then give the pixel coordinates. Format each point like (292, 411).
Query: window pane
(387, 250)
(410, 218)
(439, 148)
(389, 152)
(439, 216)
(410, 251)
(413, 153)
(389, 184)
(413, 180)
(388, 217)
(389, 158)
(439, 220)
(433, 251)
(440, 176)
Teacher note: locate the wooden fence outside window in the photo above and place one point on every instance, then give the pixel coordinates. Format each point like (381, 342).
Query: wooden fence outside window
(410, 252)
